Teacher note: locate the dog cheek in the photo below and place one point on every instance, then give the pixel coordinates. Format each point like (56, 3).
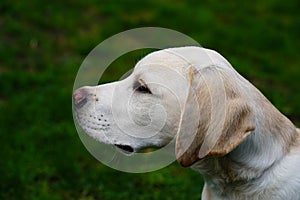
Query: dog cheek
(141, 117)
(139, 112)
(170, 130)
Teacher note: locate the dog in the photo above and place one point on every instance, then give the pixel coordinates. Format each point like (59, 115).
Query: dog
(224, 127)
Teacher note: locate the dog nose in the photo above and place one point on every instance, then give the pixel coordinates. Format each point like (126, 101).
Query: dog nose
(79, 97)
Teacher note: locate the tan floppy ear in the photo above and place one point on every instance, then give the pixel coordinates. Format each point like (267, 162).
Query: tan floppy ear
(217, 117)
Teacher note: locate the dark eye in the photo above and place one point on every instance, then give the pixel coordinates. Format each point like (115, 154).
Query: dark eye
(142, 88)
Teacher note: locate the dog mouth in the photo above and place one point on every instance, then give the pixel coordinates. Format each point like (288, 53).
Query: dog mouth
(125, 149)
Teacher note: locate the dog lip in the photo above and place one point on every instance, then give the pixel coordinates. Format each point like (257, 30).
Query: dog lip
(125, 148)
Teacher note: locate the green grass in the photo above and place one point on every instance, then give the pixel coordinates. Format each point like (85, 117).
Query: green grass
(42, 45)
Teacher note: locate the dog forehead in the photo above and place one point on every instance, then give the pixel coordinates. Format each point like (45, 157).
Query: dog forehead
(181, 58)
(162, 60)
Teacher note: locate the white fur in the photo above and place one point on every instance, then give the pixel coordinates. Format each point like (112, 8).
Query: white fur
(263, 166)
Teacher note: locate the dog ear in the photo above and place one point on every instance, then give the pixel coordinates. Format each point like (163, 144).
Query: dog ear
(216, 118)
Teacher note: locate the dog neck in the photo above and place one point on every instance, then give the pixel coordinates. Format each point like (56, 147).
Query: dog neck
(253, 160)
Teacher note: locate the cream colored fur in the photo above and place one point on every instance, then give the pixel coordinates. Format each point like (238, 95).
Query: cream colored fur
(224, 127)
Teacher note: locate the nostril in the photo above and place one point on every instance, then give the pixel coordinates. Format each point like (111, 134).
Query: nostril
(79, 97)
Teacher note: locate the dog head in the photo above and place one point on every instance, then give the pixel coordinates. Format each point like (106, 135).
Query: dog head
(188, 93)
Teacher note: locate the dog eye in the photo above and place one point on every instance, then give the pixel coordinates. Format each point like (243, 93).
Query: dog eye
(142, 88)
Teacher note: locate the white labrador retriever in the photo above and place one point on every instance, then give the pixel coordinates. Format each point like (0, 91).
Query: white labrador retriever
(244, 147)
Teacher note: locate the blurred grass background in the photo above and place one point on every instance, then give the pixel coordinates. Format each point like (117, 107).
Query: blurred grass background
(42, 44)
